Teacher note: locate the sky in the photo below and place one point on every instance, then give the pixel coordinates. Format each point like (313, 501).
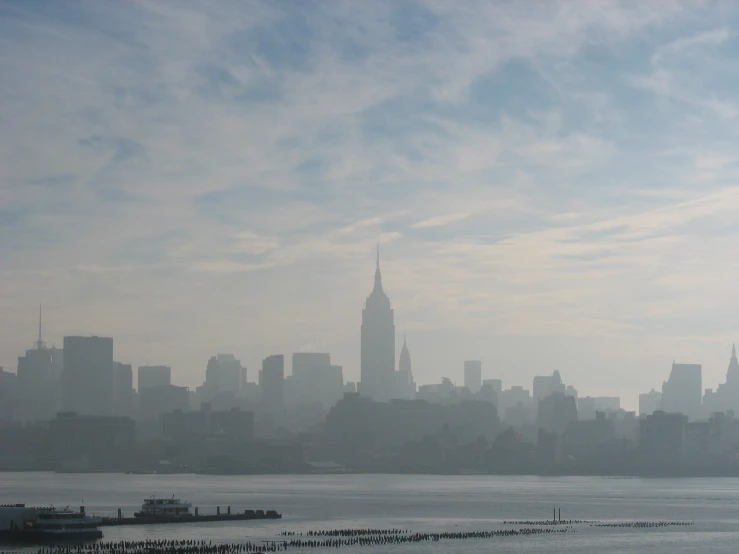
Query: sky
(553, 185)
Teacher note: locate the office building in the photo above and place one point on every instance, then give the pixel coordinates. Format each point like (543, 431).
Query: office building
(122, 389)
(315, 380)
(272, 382)
(650, 402)
(87, 378)
(154, 401)
(154, 376)
(473, 375)
(682, 392)
(405, 386)
(377, 343)
(556, 412)
(589, 405)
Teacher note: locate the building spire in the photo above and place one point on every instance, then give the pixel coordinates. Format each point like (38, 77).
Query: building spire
(39, 344)
(733, 350)
(378, 277)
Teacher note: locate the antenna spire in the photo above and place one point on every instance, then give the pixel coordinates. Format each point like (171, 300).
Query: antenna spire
(39, 343)
(378, 254)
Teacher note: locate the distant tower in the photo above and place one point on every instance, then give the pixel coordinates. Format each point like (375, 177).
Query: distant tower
(378, 343)
(40, 345)
(405, 387)
(732, 374)
(404, 364)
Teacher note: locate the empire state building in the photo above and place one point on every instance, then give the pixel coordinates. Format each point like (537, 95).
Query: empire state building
(378, 343)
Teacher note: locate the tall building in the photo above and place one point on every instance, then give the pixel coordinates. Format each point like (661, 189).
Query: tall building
(154, 376)
(315, 380)
(378, 343)
(8, 382)
(122, 389)
(405, 386)
(161, 399)
(681, 393)
(544, 385)
(473, 375)
(37, 381)
(87, 378)
(650, 402)
(556, 412)
(726, 396)
(271, 381)
(588, 406)
(224, 374)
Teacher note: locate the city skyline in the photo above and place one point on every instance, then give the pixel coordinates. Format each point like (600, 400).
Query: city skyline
(553, 188)
(390, 387)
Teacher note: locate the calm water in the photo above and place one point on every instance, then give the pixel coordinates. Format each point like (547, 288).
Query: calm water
(417, 503)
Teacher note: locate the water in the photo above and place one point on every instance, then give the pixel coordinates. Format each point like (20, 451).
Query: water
(414, 502)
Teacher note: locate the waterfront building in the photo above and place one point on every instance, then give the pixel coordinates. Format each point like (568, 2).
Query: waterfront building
(662, 438)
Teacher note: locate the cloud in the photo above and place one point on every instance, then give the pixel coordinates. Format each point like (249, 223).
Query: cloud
(440, 221)
(194, 178)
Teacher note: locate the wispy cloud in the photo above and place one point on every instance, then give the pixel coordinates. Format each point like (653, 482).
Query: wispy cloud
(193, 178)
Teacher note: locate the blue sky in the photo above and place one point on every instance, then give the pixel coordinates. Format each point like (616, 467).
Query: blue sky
(553, 184)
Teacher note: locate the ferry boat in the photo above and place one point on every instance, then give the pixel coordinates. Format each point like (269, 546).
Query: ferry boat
(156, 508)
(19, 523)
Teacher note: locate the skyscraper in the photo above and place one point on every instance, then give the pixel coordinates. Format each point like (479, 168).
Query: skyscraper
(473, 375)
(122, 389)
(682, 391)
(154, 376)
(315, 379)
(87, 377)
(272, 380)
(378, 343)
(37, 381)
(405, 386)
(726, 396)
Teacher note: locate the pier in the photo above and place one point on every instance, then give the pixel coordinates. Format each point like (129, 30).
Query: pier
(194, 518)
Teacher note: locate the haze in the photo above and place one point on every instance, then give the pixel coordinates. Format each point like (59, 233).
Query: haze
(552, 185)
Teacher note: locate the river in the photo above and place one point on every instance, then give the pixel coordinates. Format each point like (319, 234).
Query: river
(418, 503)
